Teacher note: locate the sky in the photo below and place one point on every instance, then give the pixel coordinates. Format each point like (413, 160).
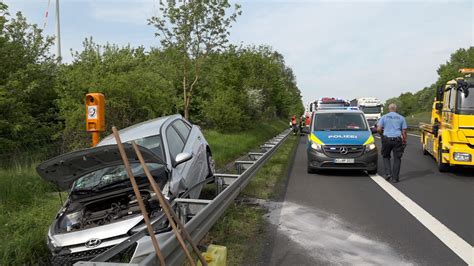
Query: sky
(342, 49)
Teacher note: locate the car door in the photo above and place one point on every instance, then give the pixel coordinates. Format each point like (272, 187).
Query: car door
(194, 170)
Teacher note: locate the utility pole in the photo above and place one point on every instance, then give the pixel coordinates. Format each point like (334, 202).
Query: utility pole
(58, 34)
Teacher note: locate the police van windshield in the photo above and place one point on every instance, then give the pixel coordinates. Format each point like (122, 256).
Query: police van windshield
(339, 122)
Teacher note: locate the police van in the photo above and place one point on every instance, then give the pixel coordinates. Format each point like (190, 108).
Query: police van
(340, 138)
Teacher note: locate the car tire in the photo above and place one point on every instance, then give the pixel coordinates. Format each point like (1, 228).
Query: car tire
(442, 167)
(425, 152)
(373, 171)
(211, 165)
(311, 170)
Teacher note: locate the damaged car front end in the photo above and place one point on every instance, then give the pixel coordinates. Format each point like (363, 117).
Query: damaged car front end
(101, 210)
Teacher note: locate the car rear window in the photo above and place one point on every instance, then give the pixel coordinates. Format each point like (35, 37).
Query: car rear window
(339, 122)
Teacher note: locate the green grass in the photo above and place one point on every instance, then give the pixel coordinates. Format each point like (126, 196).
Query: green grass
(242, 228)
(266, 184)
(229, 146)
(415, 119)
(238, 229)
(27, 206)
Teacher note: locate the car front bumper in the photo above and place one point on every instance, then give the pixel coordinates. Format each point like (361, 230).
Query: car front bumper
(319, 160)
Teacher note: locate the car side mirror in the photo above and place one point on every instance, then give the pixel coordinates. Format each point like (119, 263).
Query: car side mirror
(435, 130)
(439, 107)
(305, 130)
(373, 129)
(439, 93)
(182, 157)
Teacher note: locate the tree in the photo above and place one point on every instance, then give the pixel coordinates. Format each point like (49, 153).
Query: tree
(195, 29)
(462, 58)
(135, 84)
(28, 115)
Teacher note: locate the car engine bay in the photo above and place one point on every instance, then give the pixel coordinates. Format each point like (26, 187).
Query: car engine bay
(79, 216)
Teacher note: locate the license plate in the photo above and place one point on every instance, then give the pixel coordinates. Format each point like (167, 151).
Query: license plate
(344, 160)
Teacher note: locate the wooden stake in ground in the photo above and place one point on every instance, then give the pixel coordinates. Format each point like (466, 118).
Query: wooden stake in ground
(172, 217)
(138, 196)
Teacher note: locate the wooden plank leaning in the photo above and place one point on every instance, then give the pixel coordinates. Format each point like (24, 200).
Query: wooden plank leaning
(138, 196)
(173, 218)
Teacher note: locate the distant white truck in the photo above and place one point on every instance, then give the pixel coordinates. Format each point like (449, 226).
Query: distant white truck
(372, 108)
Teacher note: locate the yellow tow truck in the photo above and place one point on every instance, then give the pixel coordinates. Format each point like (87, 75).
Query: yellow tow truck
(449, 138)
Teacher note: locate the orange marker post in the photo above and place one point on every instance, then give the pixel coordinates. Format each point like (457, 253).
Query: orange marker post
(95, 115)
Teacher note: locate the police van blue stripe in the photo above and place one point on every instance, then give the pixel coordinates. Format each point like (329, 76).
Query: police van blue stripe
(342, 137)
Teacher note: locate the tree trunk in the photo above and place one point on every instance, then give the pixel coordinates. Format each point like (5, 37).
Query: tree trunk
(186, 108)
(185, 90)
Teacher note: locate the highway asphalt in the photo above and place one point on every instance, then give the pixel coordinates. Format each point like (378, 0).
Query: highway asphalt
(346, 218)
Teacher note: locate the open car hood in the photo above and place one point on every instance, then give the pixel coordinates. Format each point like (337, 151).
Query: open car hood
(67, 168)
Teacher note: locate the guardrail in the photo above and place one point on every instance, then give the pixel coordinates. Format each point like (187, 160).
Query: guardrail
(199, 215)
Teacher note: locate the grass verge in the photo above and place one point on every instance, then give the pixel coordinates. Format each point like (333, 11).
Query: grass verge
(229, 146)
(28, 204)
(415, 119)
(242, 228)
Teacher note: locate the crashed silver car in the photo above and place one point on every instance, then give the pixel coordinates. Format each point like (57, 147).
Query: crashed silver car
(101, 209)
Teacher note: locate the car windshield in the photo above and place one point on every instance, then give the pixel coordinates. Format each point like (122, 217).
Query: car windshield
(108, 176)
(340, 122)
(371, 109)
(466, 101)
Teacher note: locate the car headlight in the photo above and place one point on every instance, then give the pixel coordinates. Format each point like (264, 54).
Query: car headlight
(50, 242)
(370, 147)
(462, 156)
(316, 146)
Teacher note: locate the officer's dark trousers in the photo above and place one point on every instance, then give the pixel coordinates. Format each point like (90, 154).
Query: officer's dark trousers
(395, 146)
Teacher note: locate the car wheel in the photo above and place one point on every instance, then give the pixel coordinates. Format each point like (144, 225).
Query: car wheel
(425, 152)
(211, 165)
(442, 167)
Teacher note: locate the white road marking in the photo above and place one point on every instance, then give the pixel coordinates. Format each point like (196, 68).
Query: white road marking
(458, 245)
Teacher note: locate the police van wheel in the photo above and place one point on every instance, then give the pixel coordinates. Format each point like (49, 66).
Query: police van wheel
(311, 170)
(372, 172)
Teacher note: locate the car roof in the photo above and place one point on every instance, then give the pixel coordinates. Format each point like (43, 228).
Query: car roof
(140, 130)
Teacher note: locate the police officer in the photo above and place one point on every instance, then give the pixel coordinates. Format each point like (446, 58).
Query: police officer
(393, 129)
